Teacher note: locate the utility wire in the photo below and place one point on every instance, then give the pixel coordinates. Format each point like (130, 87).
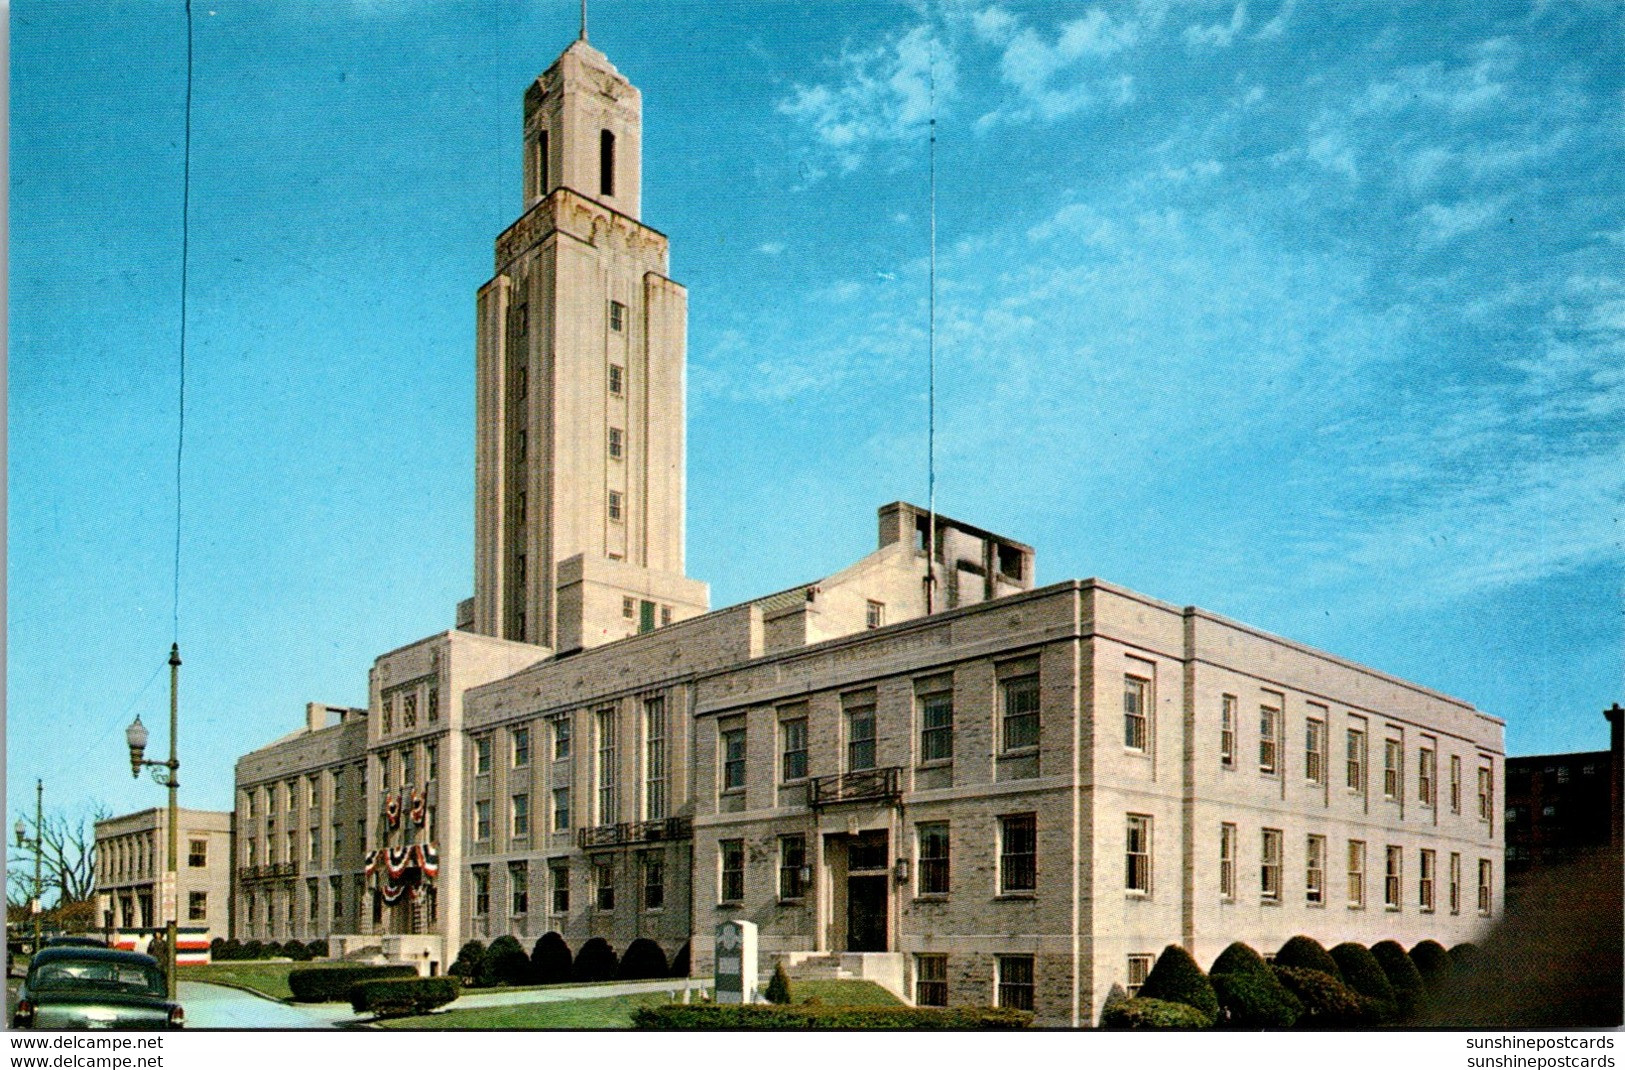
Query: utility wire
(186, 219)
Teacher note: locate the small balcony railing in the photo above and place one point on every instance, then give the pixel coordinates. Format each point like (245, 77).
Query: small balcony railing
(863, 785)
(268, 871)
(632, 832)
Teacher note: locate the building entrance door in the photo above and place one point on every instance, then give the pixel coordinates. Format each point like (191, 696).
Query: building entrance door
(866, 913)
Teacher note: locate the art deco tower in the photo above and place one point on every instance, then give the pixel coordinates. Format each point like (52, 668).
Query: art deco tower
(581, 347)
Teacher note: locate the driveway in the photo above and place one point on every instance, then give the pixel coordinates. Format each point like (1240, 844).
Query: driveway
(218, 1007)
(503, 997)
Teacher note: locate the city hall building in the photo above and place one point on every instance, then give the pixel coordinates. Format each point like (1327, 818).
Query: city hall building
(922, 769)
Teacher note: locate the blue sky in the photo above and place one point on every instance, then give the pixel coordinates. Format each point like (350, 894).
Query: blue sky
(1312, 315)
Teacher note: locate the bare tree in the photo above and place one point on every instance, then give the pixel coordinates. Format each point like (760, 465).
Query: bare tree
(67, 856)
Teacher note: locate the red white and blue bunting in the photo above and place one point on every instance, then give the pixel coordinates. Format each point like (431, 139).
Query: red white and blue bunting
(392, 811)
(405, 871)
(420, 807)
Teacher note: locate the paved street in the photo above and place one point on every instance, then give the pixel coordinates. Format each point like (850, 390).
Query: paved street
(218, 1007)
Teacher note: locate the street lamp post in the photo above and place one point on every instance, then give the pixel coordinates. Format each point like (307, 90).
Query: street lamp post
(38, 846)
(165, 773)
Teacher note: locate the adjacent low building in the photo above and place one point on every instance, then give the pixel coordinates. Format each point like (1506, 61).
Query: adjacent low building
(131, 860)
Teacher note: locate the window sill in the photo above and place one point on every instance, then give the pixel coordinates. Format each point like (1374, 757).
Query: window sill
(1136, 894)
(1269, 902)
(932, 897)
(936, 763)
(1018, 752)
(793, 901)
(729, 793)
(1356, 906)
(1313, 905)
(1391, 909)
(1016, 897)
(730, 905)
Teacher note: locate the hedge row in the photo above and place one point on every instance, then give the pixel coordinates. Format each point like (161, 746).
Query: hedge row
(403, 996)
(234, 950)
(332, 984)
(550, 962)
(813, 1016)
(1308, 986)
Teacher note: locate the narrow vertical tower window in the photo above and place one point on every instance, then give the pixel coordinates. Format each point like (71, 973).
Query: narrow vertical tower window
(606, 163)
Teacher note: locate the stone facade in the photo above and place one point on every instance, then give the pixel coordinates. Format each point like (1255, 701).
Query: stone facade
(976, 791)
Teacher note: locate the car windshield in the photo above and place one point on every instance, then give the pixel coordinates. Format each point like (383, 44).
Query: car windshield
(97, 976)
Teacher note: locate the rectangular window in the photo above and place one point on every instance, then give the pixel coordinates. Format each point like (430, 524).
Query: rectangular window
(617, 312)
(1392, 754)
(654, 758)
(482, 755)
(1484, 887)
(1019, 699)
(1137, 864)
(1314, 876)
(1486, 792)
(931, 980)
(482, 890)
(409, 709)
(1455, 883)
(792, 857)
(561, 738)
(313, 846)
(521, 815)
(874, 614)
(1393, 871)
(1356, 760)
(561, 809)
(1269, 871)
(617, 380)
(482, 819)
(1314, 751)
(409, 767)
(386, 710)
(431, 759)
(603, 882)
(197, 853)
(197, 906)
(1424, 776)
(616, 443)
(521, 442)
(793, 749)
(1018, 854)
(652, 865)
(937, 725)
(933, 849)
(518, 888)
(1135, 713)
(1139, 968)
(559, 876)
(646, 616)
(615, 505)
(1455, 783)
(1269, 721)
(335, 895)
(1227, 861)
(1424, 882)
(521, 747)
(608, 811)
(1016, 981)
(1357, 874)
(434, 704)
(1227, 732)
(860, 731)
(732, 876)
(732, 747)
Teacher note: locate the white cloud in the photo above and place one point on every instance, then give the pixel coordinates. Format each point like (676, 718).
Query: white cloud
(1059, 76)
(1445, 222)
(1217, 35)
(1276, 27)
(770, 248)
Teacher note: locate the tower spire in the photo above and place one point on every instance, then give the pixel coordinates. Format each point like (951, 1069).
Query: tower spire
(583, 20)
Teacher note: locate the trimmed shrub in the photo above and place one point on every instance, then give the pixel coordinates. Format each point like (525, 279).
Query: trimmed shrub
(1305, 953)
(1177, 978)
(469, 959)
(505, 963)
(1239, 958)
(1433, 963)
(1410, 991)
(1143, 1013)
(232, 951)
(1362, 973)
(1116, 996)
(679, 962)
(711, 1016)
(1464, 958)
(594, 962)
(407, 995)
(1327, 1002)
(550, 960)
(1249, 1000)
(643, 961)
(317, 949)
(217, 949)
(273, 950)
(252, 950)
(778, 989)
(332, 984)
(296, 951)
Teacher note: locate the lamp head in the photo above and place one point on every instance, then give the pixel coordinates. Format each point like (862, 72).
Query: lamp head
(136, 736)
(22, 833)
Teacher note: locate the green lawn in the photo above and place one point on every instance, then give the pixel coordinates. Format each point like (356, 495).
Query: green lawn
(266, 978)
(614, 1012)
(843, 994)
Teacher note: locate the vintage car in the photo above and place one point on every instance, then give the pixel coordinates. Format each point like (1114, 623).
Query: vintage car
(95, 988)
